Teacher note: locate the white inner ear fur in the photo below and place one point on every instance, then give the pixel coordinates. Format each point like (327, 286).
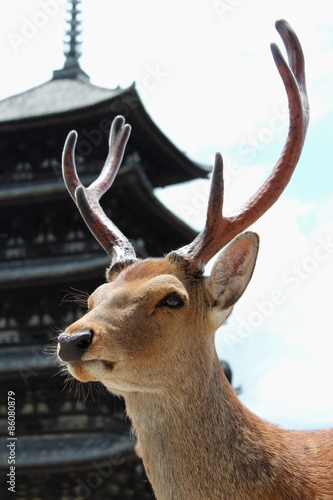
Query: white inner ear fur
(233, 270)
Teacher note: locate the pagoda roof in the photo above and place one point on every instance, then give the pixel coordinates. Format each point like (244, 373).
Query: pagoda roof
(56, 96)
(72, 102)
(69, 100)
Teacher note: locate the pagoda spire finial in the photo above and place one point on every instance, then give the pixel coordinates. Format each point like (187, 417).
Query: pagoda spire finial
(72, 50)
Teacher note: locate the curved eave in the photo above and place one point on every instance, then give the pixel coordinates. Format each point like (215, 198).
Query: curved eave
(146, 136)
(70, 451)
(150, 138)
(51, 189)
(51, 270)
(131, 178)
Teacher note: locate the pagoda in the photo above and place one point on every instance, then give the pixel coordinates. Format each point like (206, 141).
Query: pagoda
(71, 445)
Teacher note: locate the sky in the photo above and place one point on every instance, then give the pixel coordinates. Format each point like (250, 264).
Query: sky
(206, 76)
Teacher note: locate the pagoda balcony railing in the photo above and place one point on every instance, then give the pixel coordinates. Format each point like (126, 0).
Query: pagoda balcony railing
(16, 249)
(36, 319)
(53, 408)
(16, 171)
(35, 241)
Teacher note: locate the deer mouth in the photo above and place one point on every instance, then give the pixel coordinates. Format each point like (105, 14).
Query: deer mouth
(90, 363)
(109, 365)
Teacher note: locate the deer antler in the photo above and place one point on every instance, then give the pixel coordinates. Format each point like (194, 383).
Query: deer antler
(87, 199)
(220, 230)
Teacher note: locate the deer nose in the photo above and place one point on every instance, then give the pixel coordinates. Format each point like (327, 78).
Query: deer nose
(72, 346)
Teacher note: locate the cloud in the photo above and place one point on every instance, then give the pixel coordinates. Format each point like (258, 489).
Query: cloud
(279, 339)
(293, 392)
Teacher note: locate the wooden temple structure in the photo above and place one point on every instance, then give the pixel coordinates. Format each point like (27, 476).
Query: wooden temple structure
(71, 445)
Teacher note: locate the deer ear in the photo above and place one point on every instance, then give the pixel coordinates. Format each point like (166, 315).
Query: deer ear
(233, 269)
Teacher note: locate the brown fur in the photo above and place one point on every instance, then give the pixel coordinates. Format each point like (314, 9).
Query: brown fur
(197, 440)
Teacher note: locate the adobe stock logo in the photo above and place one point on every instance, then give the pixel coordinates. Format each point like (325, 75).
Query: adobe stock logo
(33, 24)
(225, 7)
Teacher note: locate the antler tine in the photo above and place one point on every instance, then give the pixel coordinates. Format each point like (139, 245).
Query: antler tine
(220, 230)
(87, 199)
(294, 52)
(118, 138)
(68, 164)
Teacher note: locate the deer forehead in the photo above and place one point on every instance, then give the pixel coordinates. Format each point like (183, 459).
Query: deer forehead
(126, 291)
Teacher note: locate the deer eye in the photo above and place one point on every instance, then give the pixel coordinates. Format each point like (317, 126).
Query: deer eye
(172, 300)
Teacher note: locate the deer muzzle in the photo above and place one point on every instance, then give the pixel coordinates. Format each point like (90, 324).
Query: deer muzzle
(72, 346)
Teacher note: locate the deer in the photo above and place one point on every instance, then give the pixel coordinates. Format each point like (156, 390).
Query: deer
(148, 336)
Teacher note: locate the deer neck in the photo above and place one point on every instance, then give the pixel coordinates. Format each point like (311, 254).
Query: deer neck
(197, 429)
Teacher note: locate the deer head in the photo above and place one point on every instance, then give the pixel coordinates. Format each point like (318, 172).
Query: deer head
(151, 313)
